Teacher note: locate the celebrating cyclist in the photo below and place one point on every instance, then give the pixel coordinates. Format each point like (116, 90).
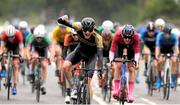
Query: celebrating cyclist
(90, 45)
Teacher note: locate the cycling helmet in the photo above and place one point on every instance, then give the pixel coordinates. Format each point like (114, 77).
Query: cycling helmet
(128, 31)
(160, 23)
(150, 26)
(107, 24)
(23, 24)
(175, 31)
(73, 32)
(167, 29)
(10, 31)
(39, 31)
(88, 24)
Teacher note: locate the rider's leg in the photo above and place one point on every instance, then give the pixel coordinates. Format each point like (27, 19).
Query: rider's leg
(146, 58)
(157, 67)
(173, 69)
(67, 69)
(16, 74)
(117, 69)
(131, 81)
(44, 75)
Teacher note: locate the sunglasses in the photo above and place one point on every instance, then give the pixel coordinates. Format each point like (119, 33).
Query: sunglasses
(10, 37)
(89, 30)
(126, 37)
(39, 38)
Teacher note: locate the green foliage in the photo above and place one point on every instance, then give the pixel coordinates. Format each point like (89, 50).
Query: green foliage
(124, 11)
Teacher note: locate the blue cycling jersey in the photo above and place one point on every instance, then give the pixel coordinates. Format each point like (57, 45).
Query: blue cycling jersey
(167, 43)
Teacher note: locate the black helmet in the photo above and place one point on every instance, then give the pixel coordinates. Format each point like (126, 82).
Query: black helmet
(167, 29)
(88, 24)
(128, 31)
(150, 26)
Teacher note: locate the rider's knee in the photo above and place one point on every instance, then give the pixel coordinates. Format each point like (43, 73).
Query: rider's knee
(67, 65)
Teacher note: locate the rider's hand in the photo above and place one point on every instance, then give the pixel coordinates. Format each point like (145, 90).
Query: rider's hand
(64, 17)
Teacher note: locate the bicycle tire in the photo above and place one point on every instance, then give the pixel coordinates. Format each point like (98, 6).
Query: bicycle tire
(79, 95)
(105, 89)
(164, 88)
(109, 93)
(38, 85)
(33, 85)
(8, 84)
(168, 83)
(86, 95)
(38, 91)
(151, 80)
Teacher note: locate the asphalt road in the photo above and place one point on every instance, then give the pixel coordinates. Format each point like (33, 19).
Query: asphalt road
(53, 96)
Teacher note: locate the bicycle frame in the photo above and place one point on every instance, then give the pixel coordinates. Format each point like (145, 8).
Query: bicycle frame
(124, 76)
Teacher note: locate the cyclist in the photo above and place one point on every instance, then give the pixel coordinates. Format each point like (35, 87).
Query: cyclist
(128, 39)
(58, 34)
(107, 36)
(38, 44)
(12, 40)
(24, 29)
(177, 32)
(149, 39)
(166, 42)
(90, 45)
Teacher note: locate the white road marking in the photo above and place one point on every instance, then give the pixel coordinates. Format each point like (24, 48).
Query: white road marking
(148, 101)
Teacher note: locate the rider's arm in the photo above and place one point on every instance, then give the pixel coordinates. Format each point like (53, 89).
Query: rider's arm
(3, 41)
(64, 20)
(99, 42)
(49, 43)
(21, 45)
(137, 48)
(113, 45)
(157, 48)
(176, 47)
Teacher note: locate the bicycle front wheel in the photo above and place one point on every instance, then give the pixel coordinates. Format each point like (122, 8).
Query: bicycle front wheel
(86, 95)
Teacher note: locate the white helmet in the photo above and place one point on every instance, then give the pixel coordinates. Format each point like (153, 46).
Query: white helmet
(160, 23)
(40, 31)
(23, 24)
(73, 31)
(10, 31)
(175, 31)
(107, 24)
